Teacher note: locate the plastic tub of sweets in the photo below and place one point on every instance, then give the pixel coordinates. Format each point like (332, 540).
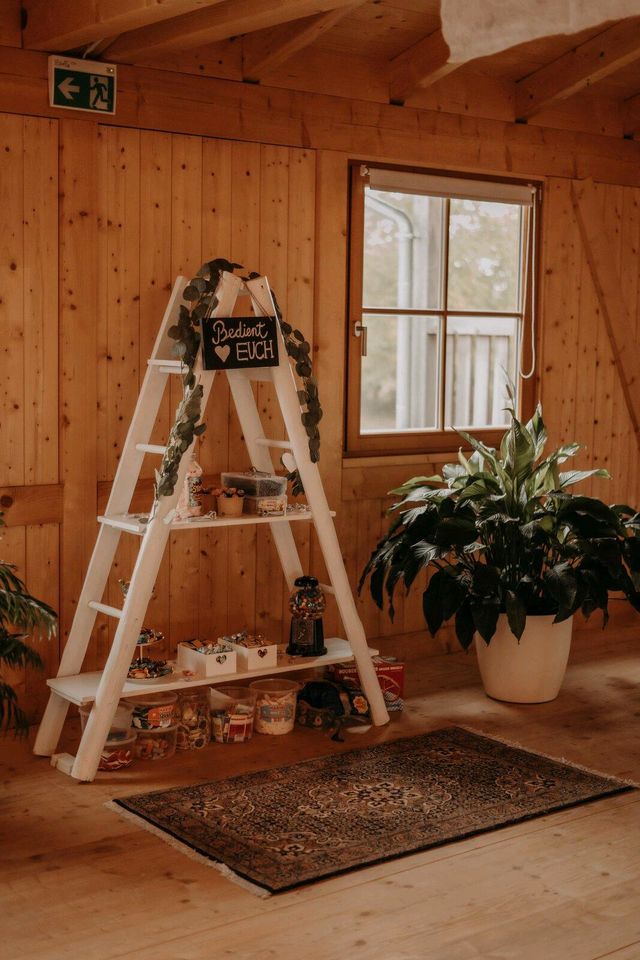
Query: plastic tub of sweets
(154, 711)
(120, 725)
(118, 754)
(276, 705)
(232, 713)
(158, 744)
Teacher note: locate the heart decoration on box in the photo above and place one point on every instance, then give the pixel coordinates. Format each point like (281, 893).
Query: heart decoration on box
(262, 652)
(223, 352)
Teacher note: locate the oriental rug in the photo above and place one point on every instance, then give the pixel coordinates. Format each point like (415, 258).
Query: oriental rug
(279, 829)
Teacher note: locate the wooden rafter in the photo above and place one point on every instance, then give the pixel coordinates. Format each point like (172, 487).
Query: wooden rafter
(419, 66)
(608, 285)
(581, 67)
(228, 19)
(260, 54)
(70, 24)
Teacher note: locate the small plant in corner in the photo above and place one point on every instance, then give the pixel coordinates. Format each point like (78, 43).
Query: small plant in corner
(20, 615)
(504, 538)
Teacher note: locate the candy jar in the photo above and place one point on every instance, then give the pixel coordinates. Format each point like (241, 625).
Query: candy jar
(194, 722)
(307, 604)
(190, 500)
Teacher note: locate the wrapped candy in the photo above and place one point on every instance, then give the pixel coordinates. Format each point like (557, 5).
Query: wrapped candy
(194, 722)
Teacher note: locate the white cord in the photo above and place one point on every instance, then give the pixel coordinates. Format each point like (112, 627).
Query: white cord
(527, 376)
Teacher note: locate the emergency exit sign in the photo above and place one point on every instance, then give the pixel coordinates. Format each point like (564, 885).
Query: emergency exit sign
(82, 85)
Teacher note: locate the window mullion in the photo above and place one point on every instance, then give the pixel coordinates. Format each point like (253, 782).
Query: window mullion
(445, 309)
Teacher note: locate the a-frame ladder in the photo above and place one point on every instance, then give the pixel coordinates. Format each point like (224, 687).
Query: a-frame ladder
(154, 534)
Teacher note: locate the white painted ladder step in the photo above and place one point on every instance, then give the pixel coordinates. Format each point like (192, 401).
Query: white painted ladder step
(280, 444)
(151, 448)
(167, 366)
(105, 608)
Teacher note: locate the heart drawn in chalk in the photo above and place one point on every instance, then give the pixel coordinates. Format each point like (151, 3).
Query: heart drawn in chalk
(223, 352)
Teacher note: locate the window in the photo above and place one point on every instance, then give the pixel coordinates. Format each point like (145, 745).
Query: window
(439, 308)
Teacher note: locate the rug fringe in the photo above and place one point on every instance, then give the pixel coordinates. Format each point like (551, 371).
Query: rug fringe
(188, 851)
(549, 756)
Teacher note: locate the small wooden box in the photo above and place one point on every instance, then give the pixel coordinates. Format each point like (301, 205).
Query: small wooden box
(207, 664)
(255, 652)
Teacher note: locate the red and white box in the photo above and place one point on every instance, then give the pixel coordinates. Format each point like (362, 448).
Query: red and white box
(390, 672)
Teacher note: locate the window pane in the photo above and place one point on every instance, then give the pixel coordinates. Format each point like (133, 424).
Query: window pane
(402, 250)
(399, 382)
(484, 252)
(481, 354)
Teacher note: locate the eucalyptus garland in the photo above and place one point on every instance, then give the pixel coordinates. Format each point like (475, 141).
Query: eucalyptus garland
(201, 296)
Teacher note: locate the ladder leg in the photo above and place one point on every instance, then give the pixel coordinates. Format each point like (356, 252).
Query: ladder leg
(128, 471)
(286, 391)
(76, 647)
(122, 649)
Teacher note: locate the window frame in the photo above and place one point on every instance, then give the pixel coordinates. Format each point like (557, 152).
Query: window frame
(422, 441)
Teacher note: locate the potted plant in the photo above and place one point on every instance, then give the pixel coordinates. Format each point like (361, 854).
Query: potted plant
(20, 615)
(512, 554)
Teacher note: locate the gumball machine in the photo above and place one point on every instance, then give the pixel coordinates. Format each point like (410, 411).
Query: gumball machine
(306, 634)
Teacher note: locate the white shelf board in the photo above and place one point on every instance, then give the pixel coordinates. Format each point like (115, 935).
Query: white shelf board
(81, 688)
(131, 523)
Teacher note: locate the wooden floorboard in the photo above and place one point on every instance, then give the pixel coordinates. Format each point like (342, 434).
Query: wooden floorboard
(79, 881)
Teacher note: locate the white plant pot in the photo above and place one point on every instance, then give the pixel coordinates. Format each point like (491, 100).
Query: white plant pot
(530, 671)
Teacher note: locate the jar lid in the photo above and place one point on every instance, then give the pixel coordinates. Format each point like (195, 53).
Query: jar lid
(306, 582)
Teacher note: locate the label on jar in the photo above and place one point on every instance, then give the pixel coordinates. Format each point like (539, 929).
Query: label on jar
(146, 718)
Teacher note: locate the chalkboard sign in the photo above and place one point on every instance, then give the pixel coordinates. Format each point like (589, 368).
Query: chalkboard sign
(235, 343)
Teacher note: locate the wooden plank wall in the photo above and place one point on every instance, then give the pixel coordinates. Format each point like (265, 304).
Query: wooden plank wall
(85, 278)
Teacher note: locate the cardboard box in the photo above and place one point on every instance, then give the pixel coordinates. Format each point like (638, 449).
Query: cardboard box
(390, 673)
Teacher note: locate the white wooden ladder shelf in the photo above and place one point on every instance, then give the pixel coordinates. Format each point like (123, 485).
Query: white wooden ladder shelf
(105, 688)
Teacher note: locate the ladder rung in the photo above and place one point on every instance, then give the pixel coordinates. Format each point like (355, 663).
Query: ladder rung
(126, 522)
(280, 444)
(105, 608)
(151, 448)
(167, 366)
(326, 588)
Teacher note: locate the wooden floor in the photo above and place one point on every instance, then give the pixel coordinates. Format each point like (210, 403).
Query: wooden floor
(80, 883)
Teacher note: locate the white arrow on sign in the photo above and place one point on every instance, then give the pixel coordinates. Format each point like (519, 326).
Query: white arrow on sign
(67, 88)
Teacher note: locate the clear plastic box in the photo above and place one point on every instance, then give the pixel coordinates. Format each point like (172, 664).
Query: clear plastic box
(255, 484)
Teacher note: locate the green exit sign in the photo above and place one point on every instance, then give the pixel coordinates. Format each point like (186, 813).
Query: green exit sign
(82, 85)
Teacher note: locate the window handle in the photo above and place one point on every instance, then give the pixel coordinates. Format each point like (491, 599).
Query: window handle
(360, 330)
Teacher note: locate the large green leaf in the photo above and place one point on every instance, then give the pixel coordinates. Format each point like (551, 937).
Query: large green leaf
(465, 627)
(410, 485)
(516, 613)
(570, 477)
(485, 618)
(432, 603)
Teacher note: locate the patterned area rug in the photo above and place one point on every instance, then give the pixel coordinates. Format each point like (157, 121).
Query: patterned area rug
(282, 828)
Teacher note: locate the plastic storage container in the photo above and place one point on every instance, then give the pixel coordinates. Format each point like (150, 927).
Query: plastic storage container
(153, 711)
(120, 725)
(194, 722)
(118, 754)
(232, 713)
(158, 744)
(276, 705)
(255, 484)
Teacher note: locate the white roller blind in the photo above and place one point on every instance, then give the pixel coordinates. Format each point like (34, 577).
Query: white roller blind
(398, 181)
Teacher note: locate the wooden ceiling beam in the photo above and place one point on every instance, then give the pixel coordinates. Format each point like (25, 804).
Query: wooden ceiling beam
(71, 24)
(260, 54)
(419, 66)
(581, 67)
(228, 19)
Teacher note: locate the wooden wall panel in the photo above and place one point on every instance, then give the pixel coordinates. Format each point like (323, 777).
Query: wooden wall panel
(29, 468)
(579, 384)
(84, 284)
